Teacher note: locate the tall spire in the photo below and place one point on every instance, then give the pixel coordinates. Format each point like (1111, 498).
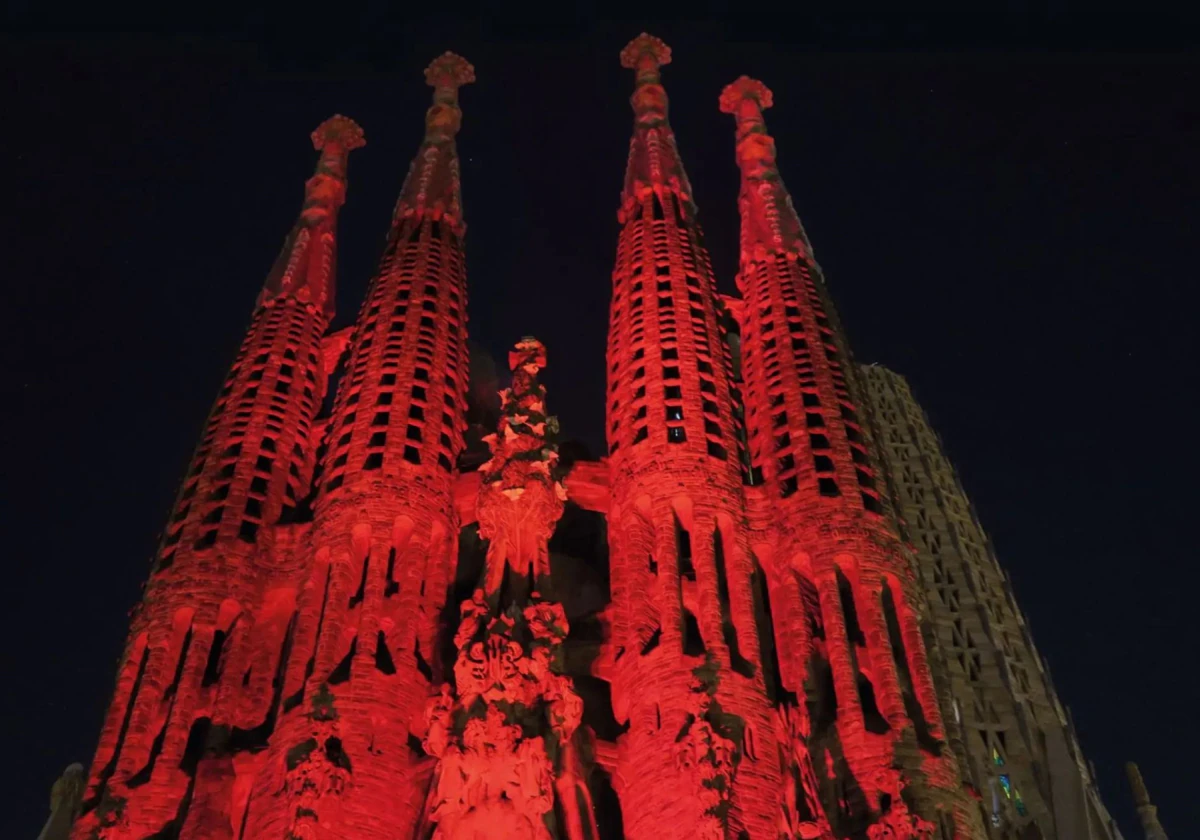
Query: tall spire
(305, 266)
(432, 186)
(240, 501)
(383, 539)
(1148, 813)
(654, 162)
(769, 221)
(687, 673)
(829, 553)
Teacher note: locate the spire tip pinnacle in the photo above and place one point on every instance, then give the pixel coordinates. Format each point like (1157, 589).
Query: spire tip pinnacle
(645, 45)
(1140, 794)
(525, 352)
(449, 70)
(340, 131)
(742, 89)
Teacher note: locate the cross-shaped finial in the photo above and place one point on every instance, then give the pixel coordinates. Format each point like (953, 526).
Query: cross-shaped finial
(645, 45)
(449, 70)
(741, 90)
(339, 131)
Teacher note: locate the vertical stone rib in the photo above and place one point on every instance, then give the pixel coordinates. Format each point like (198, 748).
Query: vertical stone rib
(883, 662)
(841, 660)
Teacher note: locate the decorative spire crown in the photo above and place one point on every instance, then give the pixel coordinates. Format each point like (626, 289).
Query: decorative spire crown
(449, 71)
(654, 162)
(338, 132)
(646, 54)
(745, 90)
(432, 186)
(304, 269)
(769, 221)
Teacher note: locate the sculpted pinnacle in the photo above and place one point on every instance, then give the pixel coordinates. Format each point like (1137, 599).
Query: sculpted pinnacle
(339, 131)
(744, 89)
(449, 70)
(645, 46)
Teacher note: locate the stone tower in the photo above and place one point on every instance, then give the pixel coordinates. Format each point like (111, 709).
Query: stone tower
(198, 673)
(384, 527)
(684, 644)
(1012, 736)
(845, 601)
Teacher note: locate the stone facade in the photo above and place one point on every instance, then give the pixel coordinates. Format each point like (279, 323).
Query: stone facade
(358, 628)
(1005, 723)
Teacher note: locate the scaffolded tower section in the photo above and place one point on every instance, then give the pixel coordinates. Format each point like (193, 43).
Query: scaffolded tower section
(1011, 734)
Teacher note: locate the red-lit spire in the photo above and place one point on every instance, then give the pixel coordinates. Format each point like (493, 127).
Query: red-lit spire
(432, 186)
(684, 641)
(380, 553)
(654, 162)
(843, 593)
(192, 665)
(305, 266)
(769, 221)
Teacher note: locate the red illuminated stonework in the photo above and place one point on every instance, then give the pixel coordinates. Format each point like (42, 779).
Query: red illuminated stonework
(346, 635)
(842, 590)
(683, 577)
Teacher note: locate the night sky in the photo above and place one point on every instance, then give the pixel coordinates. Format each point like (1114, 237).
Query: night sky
(1006, 210)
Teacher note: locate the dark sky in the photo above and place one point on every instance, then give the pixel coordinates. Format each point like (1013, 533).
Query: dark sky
(1006, 208)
